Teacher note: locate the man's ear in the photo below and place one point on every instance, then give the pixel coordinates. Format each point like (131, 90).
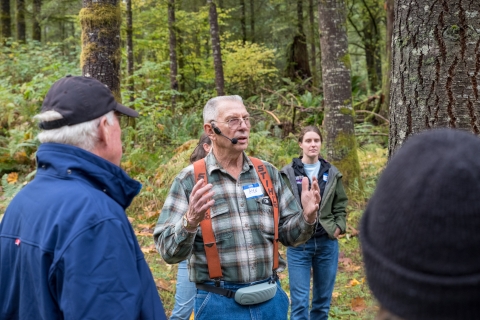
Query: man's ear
(207, 127)
(103, 130)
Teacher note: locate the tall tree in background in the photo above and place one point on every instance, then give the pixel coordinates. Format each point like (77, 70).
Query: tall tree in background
(386, 79)
(340, 142)
(173, 49)
(297, 54)
(5, 19)
(252, 20)
(243, 21)
(217, 52)
(313, 55)
(21, 25)
(436, 68)
(36, 18)
(130, 61)
(101, 53)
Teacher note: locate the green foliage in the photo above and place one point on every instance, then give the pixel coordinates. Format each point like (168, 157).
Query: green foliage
(248, 67)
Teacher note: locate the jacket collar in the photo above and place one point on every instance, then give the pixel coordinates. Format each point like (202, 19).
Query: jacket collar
(70, 162)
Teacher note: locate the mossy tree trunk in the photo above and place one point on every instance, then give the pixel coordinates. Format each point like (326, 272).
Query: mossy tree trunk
(21, 25)
(216, 49)
(36, 29)
(130, 59)
(5, 19)
(101, 53)
(436, 68)
(173, 50)
(340, 143)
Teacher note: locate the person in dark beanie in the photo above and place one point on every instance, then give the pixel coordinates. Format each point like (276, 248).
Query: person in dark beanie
(67, 249)
(420, 231)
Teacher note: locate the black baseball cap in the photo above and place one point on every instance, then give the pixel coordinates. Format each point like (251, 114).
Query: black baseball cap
(79, 99)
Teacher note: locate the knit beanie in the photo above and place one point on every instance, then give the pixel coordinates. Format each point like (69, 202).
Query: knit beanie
(420, 233)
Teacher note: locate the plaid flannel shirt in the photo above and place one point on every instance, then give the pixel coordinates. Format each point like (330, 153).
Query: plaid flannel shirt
(243, 228)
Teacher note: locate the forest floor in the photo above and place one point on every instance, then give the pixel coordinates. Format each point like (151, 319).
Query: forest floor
(351, 297)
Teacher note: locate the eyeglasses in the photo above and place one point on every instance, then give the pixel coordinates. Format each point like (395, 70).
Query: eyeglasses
(234, 123)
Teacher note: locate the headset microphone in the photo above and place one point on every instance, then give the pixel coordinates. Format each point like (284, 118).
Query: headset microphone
(217, 131)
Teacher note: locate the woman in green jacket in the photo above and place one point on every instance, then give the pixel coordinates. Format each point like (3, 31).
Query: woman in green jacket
(320, 253)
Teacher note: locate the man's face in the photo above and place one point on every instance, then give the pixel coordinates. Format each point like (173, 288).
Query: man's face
(233, 121)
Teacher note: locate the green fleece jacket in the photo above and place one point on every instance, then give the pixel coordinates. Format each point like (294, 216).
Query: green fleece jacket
(332, 211)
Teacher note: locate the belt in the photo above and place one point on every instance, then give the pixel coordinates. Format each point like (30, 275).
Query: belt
(221, 291)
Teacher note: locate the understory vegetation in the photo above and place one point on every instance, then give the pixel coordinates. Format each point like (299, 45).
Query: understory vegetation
(158, 144)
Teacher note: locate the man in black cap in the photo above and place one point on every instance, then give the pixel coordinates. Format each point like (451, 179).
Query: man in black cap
(67, 249)
(420, 232)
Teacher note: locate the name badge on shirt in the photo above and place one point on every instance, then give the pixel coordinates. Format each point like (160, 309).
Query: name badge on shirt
(252, 191)
(325, 177)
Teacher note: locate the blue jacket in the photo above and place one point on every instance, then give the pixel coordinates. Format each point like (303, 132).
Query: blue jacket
(67, 249)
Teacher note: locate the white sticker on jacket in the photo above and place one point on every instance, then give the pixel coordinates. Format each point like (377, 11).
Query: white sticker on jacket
(299, 179)
(325, 176)
(252, 191)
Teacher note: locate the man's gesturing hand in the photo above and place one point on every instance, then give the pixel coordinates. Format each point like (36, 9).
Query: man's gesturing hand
(200, 201)
(310, 199)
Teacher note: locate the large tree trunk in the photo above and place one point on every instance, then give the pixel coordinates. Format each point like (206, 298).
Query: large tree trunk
(340, 143)
(21, 26)
(173, 49)
(217, 52)
(436, 67)
(5, 19)
(101, 53)
(37, 11)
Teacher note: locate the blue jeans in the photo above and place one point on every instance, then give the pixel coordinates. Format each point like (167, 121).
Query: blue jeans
(211, 306)
(184, 294)
(321, 255)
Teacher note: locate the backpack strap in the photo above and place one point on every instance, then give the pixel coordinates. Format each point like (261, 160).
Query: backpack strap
(209, 243)
(269, 188)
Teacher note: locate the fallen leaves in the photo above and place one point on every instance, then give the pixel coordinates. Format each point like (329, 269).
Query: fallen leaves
(163, 284)
(12, 177)
(149, 249)
(358, 304)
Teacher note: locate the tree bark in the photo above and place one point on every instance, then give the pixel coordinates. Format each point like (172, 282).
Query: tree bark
(340, 143)
(5, 19)
(101, 55)
(435, 68)
(36, 29)
(173, 50)
(21, 26)
(130, 60)
(216, 49)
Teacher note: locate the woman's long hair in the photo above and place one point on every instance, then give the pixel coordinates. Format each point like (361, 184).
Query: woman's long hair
(200, 153)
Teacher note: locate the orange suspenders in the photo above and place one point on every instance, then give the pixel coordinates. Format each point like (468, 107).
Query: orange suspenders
(211, 251)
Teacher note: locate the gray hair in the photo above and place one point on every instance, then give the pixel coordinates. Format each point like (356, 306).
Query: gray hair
(83, 135)
(210, 111)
